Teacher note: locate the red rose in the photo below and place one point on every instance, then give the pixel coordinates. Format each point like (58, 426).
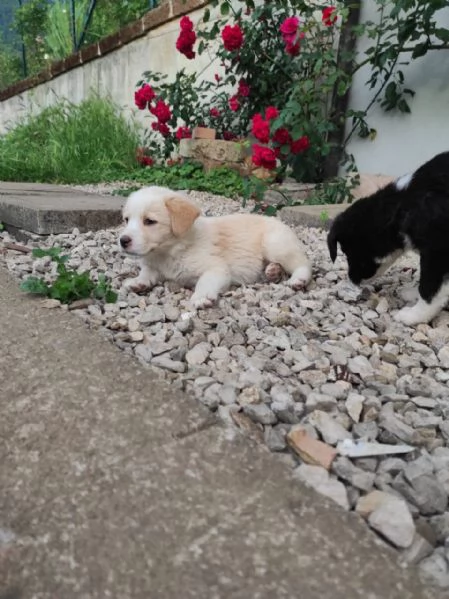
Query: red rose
(161, 111)
(232, 37)
(183, 133)
(292, 49)
(162, 128)
(217, 77)
(186, 24)
(228, 135)
(214, 112)
(289, 29)
(329, 15)
(146, 161)
(282, 136)
(234, 103)
(271, 113)
(264, 157)
(143, 96)
(300, 145)
(260, 128)
(243, 89)
(184, 43)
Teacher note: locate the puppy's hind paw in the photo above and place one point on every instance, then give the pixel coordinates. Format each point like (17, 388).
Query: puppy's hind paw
(136, 285)
(407, 316)
(201, 302)
(409, 294)
(274, 272)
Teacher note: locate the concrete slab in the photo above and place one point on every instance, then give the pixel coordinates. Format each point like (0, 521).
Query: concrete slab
(311, 216)
(315, 216)
(46, 209)
(113, 484)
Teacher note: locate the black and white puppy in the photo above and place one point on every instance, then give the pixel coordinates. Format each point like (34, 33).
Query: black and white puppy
(411, 213)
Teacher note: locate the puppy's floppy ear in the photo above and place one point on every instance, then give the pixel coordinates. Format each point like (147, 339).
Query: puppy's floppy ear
(182, 214)
(332, 244)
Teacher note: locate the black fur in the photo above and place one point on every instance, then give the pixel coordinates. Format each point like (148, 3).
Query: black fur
(379, 225)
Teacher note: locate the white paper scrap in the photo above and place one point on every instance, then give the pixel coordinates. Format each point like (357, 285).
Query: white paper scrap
(360, 449)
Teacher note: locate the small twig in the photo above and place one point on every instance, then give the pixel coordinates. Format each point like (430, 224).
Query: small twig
(15, 247)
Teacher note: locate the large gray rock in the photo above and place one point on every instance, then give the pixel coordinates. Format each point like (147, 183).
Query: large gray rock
(434, 570)
(392, 519)
(260, 412)
(358, 478)
(424, 491)
(398, 428)
(331, 431)
(319, 479)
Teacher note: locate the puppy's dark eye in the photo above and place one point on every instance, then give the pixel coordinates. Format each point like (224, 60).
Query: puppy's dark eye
(126, 219)
(149, 221)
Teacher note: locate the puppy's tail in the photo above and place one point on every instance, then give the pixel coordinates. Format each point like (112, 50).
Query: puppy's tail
(332, 244)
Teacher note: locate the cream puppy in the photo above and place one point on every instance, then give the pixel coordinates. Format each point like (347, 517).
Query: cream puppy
(175, 243)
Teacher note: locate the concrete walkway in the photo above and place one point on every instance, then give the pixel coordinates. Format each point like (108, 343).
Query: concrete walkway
(113, 485)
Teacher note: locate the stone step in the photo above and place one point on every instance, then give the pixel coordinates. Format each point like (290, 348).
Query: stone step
(51, 209)
(320, 215)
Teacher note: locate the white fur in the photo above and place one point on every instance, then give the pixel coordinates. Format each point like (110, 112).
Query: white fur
(404, 181)
(212, 252)
(423, 311)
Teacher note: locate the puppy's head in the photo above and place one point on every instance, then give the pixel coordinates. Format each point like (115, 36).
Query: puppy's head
(362, 263)
(155, 217)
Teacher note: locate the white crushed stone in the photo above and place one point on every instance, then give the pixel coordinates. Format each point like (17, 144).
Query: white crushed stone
(331, 359)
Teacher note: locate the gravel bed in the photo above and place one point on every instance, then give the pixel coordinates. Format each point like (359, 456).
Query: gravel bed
(319, 366)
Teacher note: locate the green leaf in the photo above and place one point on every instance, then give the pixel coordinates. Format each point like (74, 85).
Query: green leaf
(403, 106)
(224, 8)
(442, 34)
(270, 211)
(40, 253)
(420, 50)
(111, 296)
(35, 286)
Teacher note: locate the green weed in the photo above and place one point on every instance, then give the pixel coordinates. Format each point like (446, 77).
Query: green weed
(69, 285)
(187, 175)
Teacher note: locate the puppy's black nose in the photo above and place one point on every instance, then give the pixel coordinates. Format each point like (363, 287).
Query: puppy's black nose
(125, 241)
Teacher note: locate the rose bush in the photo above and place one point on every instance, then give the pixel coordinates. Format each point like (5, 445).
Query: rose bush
(233, 103)
(284, 75)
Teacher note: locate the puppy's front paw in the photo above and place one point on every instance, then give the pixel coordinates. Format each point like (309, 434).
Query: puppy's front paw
(199, 302)
(300, 278)
(408, 316)
(137, 285)
(409, 294)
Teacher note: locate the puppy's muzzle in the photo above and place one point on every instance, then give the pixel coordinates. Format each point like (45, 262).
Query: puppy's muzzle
(125, 241)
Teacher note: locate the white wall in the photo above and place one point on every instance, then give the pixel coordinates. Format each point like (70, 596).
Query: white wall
(115, 74)
(404, 142)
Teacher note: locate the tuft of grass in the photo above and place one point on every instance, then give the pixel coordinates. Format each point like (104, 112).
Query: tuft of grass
(58, 38)
(68, 143)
